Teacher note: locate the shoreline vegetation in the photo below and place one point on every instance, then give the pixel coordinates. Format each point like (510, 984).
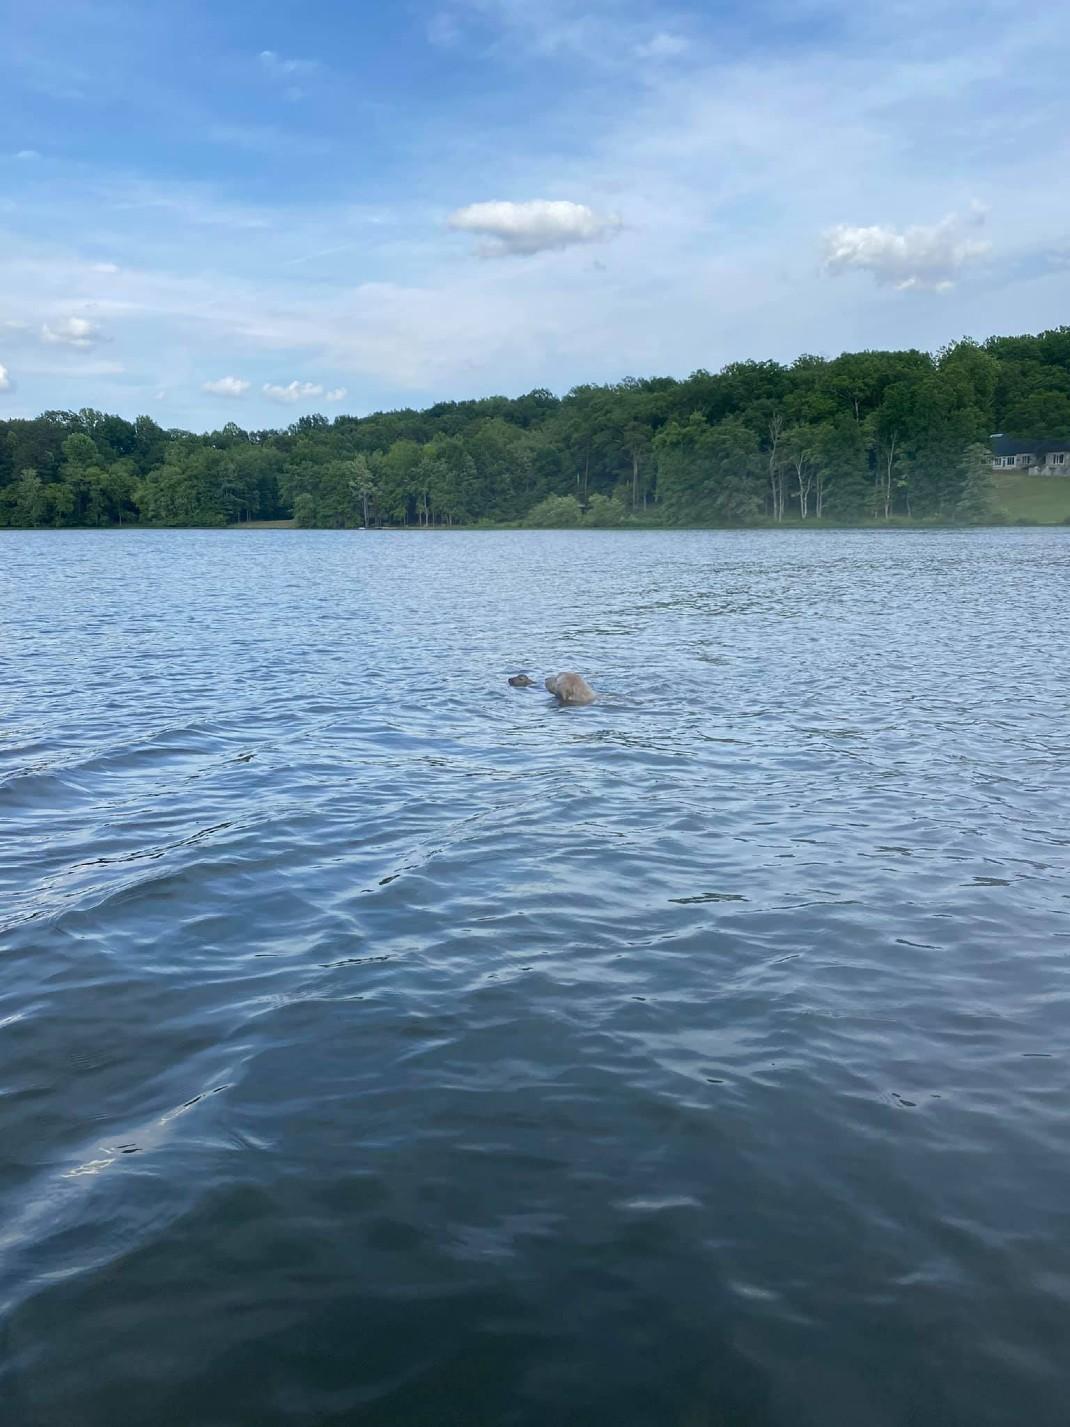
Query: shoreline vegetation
(627, 527)
(999, 519)
(872, 439)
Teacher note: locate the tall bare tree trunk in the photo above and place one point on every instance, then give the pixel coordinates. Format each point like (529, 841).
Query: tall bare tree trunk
(776, 483)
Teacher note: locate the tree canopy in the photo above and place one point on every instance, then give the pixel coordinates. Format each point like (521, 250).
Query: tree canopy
(865, 435)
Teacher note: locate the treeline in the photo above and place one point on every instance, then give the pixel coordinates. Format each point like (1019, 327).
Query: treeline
(866, 435)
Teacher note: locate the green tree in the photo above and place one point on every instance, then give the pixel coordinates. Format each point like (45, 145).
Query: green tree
(397, 476)
(864, 434)
(337, 500)
(82, 471)
(801, 454)
(976, 488)
(304, 510)
(58, 504)
(555, 512)
(448, 482)
(190, 488)
(362, 486)
(842, 480)
(604, 511)
(149, 443)
(1040, 414)
(709, 474)
(30, 498)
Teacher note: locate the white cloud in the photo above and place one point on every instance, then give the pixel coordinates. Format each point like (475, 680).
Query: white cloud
(719, 259)
(277, 67)
(27, 155)
(663, 45)
(227, 386)
(294, 391)
(72, 332)
(553, 29)
(520, 229)
(105, 267)
(5, 378)
(606, 35)
(337, 393)
(286, 72)
(920, 257)
(82, 370)
(283, 70)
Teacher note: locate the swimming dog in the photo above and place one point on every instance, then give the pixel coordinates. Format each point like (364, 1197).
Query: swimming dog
(570, 689)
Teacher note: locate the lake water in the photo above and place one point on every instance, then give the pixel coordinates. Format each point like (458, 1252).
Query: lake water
(380, 1044)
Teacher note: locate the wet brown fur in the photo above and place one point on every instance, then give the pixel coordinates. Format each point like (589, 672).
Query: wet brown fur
(570, 688)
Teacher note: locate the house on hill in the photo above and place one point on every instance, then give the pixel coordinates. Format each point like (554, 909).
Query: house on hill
(1036, 456)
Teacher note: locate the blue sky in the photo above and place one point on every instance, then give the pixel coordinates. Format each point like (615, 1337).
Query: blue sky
(251, 211)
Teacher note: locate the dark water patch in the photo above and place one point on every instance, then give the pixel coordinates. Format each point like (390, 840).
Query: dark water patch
(708, 897)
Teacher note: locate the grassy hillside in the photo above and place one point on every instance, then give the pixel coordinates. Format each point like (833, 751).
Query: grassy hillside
(1042, 498)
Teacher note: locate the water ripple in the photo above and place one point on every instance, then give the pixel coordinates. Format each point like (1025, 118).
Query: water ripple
(380, 1043)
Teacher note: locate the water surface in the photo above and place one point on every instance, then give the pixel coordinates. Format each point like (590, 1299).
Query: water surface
(380, 1044)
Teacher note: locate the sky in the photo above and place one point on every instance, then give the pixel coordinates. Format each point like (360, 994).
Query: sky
(252, 211)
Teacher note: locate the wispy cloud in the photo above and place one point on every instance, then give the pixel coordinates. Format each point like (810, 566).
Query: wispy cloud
(444, 29)
(600, 33)
(72, 332)
(5, 378)
(288, 73)
(554, 28)
(294, 391)
(521, 229)
(183, 203)
(920, 257)
(875, 118)
(226, 386)
(270, 139)
(80, 370)
(278, 67)
(663, 45)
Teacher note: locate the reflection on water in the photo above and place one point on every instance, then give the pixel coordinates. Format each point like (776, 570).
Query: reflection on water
(382, 1044)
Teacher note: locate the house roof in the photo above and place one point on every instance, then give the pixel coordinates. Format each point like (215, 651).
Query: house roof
(1033, 446)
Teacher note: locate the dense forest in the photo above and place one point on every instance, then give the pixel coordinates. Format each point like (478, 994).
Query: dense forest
(864, 436)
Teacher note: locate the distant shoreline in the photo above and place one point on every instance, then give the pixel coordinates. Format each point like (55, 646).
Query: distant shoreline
(785, 526)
